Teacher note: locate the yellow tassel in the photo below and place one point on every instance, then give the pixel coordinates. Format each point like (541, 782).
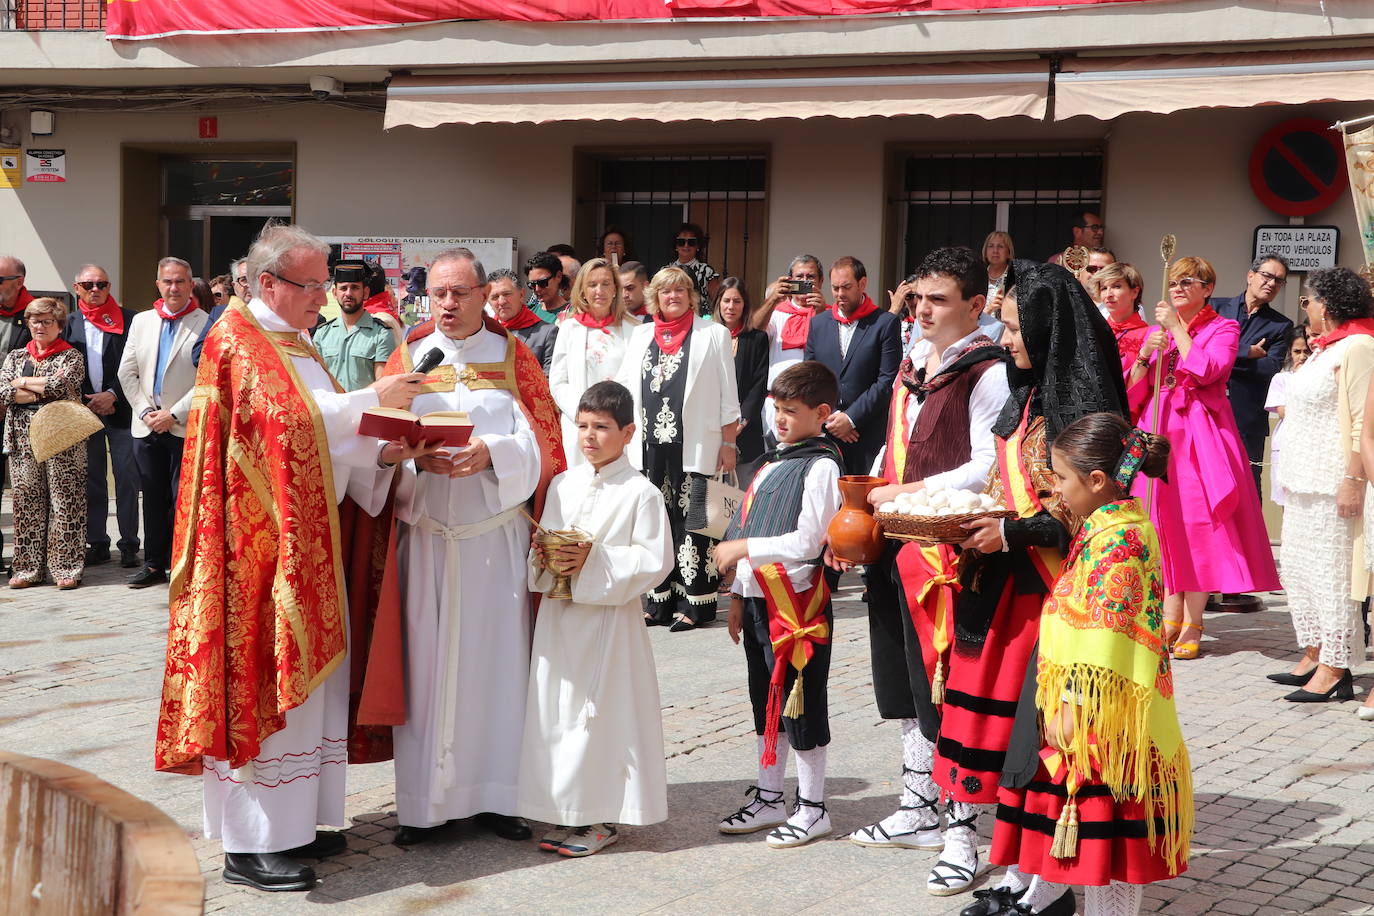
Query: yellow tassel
(1065, 844)
(795, 705)
(937, 686)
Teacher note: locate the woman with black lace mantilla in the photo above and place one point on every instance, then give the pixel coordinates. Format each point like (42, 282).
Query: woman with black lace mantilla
(1067, 366)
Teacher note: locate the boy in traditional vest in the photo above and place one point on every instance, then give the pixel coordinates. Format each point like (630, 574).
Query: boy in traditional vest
(782, 607)
(949, 392)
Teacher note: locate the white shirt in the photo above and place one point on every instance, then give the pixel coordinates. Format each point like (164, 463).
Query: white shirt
(985, 402)
(95, 355)
(797, 548)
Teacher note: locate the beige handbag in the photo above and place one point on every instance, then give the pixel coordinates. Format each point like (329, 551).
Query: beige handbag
(713, 504)
(59, 425)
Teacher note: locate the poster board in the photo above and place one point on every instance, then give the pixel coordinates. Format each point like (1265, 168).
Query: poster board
(396, 255)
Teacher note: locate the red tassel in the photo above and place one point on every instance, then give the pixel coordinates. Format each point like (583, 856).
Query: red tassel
(772, 721)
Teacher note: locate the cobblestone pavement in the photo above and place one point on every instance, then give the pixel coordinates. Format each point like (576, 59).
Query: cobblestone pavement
(1283, 790)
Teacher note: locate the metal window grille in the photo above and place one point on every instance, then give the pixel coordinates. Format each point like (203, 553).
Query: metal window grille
(958, 198)
(52, 15)
(649, 196)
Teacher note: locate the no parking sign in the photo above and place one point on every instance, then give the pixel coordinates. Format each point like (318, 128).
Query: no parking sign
(1298, 167)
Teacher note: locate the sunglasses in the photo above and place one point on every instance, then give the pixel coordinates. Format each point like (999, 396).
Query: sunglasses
(1185, 283)
(540, 284)
(686, 243)
(219, 294)
(89, 285)
(10, 277)
(1093, 268)
(1271, 278)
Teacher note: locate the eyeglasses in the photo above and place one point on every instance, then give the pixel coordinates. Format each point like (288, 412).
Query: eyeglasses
(314, 286)
(1303, 301)
(10, 277)
(540, 284)
(1093, 268)
(218, 294)
(686, 243)
(89, 285)
(1185, 283)
(241, 281)
(1272, 278)
(1095, 227)
(42, 322)
(450, 292)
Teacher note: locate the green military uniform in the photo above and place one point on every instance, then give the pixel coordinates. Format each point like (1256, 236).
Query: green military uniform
(352, 355)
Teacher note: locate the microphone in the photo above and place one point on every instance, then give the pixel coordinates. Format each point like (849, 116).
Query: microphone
(429, 361)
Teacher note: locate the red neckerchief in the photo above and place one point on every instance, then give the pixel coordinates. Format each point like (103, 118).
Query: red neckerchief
(865, 309)
(383, 304)
(1130, 324)
(21, 302)
(1204, 315)
(108, 317)
(671, 335)
(735, 331)
(641, 313)
(1351, 328)
(57, 347)
(523, 319)
(161, 309)
(588, 320)
(798, 324)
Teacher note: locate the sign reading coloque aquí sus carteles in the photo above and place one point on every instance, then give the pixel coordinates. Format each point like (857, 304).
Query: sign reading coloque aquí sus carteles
(1304, 247)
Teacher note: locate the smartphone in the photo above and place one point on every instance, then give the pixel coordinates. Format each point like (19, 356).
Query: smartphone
(797, 287)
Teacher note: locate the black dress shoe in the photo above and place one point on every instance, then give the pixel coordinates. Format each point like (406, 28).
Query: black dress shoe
(681, 625)
(1342, 690)
(128, 558)
(1291, 680)
(147, 577)
(326, 843)
(414, 836)
(267, 871)
(992, 901)
(505, 826)
(97, 554)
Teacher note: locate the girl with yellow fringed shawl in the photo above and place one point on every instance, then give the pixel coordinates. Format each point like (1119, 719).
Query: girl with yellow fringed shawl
(1112, 805)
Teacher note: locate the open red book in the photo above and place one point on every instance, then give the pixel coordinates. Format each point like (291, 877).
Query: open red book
(447, 427)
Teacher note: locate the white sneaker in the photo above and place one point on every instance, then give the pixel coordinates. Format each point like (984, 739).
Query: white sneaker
(554, 837)
(764, 810)
(878, 837)
(799, 828)
(585, 841)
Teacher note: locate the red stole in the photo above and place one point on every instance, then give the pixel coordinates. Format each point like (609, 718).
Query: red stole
(866, 308)
(161, 308)
(797, 326)
(55, 348)
(523, 319)
(108, 317)
(671, 335)
(21, 302)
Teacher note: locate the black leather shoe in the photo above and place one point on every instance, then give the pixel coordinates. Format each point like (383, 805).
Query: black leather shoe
(1342, 690)
(1291, 680)
(326, 843)
(681, 625)
(992, 901)
(414, 836)
(147, 577)
(504, 825)
(128, 558)
(267, 871)
(1066, 905)
(97, 554)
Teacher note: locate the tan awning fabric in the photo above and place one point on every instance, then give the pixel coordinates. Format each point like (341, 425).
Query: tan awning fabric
(1104, 88)
(988, 90)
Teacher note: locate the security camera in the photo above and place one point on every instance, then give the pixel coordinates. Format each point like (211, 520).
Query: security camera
(324, 87)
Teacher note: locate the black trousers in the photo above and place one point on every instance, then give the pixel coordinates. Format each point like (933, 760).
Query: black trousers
(812, 728)
(159, 469)
(1254, 450)
(901, 686)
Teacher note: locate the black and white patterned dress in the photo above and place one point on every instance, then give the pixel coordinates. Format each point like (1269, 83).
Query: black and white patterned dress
(702, 274)
(694, 577)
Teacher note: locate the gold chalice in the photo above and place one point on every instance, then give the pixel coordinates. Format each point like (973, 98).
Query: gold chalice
(550, 541)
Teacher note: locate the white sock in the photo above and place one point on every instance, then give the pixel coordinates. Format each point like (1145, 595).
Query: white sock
(1042, 893)
(1014, 880)
(961, 841)
(1116, 899)
(811, 774)
(771, 778)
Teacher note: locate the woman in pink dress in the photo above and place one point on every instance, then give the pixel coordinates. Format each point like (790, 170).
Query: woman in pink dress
(1211, 529)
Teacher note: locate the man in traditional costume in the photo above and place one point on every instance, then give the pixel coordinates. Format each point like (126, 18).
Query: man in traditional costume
(256, 690)
(948, 394)
(462, 543)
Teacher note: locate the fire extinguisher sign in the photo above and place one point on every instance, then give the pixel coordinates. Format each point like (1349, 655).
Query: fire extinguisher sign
(45, 164)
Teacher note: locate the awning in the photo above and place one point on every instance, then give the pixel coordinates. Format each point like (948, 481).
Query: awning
(1104, 88)
(988, 90)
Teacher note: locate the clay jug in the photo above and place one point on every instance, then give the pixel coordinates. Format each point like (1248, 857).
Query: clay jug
(854, 533)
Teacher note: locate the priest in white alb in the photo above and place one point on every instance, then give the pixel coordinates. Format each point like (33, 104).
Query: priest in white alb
(462, 541)
(256, 690)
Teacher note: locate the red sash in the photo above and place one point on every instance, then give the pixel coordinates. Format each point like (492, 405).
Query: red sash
(796, 625)
(930, 581)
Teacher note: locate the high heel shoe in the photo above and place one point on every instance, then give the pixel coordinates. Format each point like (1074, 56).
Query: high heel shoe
(1187, 651)
(1177, 624)
(1342, 690)
(1292, 680)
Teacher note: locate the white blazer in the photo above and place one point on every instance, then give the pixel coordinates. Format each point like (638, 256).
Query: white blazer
(711, 400)
(568, 377)
(138, 368)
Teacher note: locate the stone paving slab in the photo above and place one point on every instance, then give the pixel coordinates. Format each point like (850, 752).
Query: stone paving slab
(1284, 794)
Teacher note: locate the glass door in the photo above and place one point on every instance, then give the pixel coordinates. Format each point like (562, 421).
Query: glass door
(214, 208)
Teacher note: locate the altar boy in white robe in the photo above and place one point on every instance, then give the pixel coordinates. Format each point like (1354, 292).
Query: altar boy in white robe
(593, 750)
(462, 544)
